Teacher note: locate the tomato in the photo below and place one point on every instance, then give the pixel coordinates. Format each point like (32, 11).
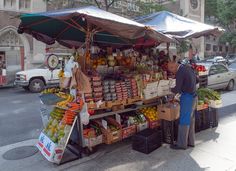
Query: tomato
(91, 112)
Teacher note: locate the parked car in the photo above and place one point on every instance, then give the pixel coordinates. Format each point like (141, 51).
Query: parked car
(35, 80)
(218, 59)
(220, 76)
(231, 58)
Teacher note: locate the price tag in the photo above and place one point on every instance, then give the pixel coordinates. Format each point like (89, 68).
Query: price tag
(104, 123)
(118, 118)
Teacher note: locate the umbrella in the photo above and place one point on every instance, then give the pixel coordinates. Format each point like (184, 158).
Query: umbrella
(73, 27)
(177, 26)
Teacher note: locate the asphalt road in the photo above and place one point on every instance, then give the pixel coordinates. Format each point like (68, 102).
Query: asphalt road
(19, 116)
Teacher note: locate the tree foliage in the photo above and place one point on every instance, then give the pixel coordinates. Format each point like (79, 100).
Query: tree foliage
(211, 8)
(149, 7)
(225, 13)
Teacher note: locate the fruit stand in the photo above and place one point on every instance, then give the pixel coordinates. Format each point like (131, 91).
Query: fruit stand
(108, 91)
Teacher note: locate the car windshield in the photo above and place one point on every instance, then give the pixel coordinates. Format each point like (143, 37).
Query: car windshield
(233, 65)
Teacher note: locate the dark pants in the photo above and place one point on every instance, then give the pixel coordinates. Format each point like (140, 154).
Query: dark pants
(186, 133)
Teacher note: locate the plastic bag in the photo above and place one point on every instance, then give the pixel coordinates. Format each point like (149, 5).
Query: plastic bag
(84, 115)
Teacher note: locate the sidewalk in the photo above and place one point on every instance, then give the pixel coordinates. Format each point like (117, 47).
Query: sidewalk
(215, 151)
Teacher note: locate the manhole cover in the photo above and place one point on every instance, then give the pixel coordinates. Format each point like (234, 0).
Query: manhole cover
(20, 153)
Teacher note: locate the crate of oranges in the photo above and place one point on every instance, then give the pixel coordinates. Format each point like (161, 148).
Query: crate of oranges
(151, 114)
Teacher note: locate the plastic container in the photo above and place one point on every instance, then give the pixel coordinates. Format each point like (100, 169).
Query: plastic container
(147, 141)
(169, 131)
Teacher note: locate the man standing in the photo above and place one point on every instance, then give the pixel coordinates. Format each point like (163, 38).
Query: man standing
(186, 87)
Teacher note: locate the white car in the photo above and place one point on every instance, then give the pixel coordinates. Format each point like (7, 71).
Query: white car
(36, 80)
(218, 59)
(220, 76)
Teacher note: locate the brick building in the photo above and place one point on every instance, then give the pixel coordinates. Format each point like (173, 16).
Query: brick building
(19, 51)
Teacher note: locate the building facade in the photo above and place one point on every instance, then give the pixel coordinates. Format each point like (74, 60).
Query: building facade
(19, 51)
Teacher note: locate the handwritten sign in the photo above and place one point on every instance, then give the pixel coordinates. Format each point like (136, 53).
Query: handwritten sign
(51, 151)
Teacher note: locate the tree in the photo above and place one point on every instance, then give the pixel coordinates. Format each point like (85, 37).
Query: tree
(106, 3)
(210, 8)
(226, 14)
(149, 7)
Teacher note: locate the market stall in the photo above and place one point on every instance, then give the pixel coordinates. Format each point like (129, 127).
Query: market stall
(119, 91)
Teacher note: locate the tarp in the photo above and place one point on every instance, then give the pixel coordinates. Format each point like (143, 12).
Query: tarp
(70, 27)
(177, 26)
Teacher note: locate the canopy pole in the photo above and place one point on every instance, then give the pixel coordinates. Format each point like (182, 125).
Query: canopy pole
(168, 48)
(85, 59)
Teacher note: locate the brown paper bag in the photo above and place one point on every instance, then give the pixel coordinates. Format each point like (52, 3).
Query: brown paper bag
(65, 82)
(83, 83)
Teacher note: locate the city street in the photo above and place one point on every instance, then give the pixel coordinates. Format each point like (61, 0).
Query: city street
(19, 116)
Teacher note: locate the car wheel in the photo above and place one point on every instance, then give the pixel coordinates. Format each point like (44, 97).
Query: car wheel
(230, 86)
(36, 85)
(26, 88)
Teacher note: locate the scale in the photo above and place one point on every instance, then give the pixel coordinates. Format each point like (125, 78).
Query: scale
(52, 63)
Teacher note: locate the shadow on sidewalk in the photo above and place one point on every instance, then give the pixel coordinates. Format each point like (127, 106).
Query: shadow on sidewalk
(120, 156)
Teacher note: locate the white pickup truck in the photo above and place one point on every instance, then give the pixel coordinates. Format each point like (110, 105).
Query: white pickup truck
(35, 80)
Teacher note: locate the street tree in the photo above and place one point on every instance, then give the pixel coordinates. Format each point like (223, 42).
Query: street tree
(226, 14)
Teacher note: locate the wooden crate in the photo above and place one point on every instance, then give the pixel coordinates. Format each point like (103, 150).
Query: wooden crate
(109, 136)
(133, 100)
(202, 107)
(128, 131)
(149, 101)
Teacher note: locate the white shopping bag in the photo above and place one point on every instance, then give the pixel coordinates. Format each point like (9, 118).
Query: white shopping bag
(84, 115)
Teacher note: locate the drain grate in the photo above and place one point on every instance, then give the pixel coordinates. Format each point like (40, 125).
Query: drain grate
(20, 152)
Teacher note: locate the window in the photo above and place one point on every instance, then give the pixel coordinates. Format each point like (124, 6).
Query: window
(9, 3)
(221, 69)
(220, 48)
(208, 47)
(208, 37)
(215, 48)
(213, 70)
(24, 4)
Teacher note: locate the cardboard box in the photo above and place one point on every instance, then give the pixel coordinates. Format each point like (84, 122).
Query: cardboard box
(142, 126)
(152, 85)
(91, 142)
(109, 136)
(216, 103)
(169, 111)
(164, 83)
(128, 131)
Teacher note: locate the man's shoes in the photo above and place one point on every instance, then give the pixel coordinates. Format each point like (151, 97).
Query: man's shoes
(175, 147)
(191, 145)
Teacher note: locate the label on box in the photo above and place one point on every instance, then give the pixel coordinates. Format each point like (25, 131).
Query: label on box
(104, 123)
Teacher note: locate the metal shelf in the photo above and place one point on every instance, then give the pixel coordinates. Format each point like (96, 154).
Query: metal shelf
(120, 111)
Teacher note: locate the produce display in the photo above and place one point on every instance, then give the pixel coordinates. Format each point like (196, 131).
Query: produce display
(206, 94)
(62, 117)
(68, 98)
(150, 112)
(57, 131)
(51, 90)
